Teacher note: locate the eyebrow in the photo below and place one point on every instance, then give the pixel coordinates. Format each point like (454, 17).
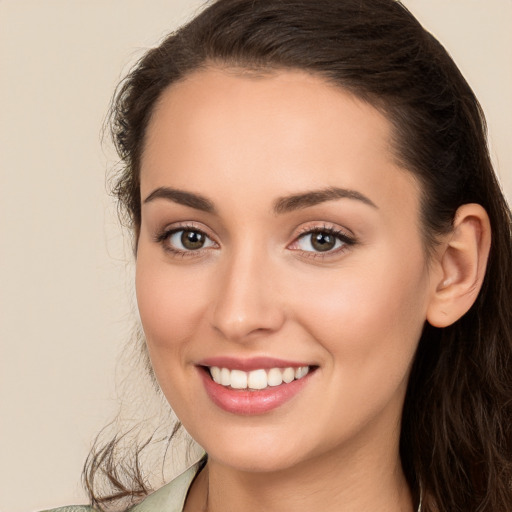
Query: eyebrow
(190, 199)
(282, 205)
(314, 197)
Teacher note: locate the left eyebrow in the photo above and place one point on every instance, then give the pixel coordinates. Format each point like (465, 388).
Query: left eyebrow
(314, 197)
(189, 199)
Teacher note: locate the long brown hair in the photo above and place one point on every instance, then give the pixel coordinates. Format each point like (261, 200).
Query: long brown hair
(456, 433)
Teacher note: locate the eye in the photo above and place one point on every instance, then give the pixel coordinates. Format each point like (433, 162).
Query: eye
(319, 241)
(186, 240)
(322, 241)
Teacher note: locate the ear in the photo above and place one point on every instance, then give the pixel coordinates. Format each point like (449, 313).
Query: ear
(460, 266)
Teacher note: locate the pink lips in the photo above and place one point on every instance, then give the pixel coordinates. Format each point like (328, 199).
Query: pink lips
(250, 402)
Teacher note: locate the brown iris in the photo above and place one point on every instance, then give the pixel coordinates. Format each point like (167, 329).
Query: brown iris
(192, 240)
(322, 241)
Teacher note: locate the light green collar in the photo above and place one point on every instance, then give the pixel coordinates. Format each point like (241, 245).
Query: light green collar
(171, 497)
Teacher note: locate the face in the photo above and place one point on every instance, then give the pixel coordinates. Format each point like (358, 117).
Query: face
(281, 275)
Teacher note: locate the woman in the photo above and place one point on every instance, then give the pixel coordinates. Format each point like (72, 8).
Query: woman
(324, 264)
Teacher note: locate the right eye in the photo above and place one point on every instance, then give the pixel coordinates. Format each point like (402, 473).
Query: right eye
(186, 240)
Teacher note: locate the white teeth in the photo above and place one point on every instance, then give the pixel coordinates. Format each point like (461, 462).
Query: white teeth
(238, 379)
(301, 371)
(288, 375)
(257, 379)
(215, 373)
(274, 377)
(225, 377)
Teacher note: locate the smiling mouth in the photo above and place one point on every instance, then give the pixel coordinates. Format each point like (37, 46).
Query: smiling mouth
(256, 379)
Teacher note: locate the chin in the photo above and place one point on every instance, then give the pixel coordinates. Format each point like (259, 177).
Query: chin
(255, 461)
(256, 451)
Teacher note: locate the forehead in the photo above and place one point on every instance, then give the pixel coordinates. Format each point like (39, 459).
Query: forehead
(286, 103)
(286, 130)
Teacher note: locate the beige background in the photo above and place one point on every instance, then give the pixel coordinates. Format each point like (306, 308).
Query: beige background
(65, 278)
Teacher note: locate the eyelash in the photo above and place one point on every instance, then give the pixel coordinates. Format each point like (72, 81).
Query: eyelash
(163, 237)
(347, 241)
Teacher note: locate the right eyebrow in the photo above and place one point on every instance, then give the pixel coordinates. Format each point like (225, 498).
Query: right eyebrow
(189, 199)
(311, 198)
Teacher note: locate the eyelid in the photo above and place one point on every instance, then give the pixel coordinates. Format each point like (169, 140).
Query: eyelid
(347, 238)
(344, 235)
(166, 232)
(313, 227)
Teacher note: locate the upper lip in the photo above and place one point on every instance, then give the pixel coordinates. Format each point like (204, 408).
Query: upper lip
(253, 363)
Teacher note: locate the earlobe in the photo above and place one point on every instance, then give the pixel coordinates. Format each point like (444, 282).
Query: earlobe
(462, 261)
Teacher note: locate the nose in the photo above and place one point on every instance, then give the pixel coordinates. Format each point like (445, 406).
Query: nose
(247, 302)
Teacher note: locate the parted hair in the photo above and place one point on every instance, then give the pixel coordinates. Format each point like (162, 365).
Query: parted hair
(456, 428)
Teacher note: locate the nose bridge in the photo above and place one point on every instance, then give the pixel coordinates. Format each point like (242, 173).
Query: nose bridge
(245, 301)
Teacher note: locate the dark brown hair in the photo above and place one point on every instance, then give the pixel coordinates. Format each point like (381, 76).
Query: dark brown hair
(456, 437)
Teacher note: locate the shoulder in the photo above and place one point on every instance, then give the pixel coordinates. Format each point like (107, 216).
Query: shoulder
(169, 498)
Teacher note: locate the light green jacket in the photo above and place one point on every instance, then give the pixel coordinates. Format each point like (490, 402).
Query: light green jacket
(169, 498)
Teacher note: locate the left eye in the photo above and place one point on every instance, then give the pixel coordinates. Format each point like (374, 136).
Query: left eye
(189, 240)
(319, 241)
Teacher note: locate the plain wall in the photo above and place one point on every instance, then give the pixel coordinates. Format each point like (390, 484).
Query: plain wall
(66, 297)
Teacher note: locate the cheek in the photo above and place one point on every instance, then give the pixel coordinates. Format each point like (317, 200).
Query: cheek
(170, 306)
(371, 312)
(369, 324)
(170, 303)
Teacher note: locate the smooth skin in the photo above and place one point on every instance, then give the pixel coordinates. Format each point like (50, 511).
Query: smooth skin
(252, 282)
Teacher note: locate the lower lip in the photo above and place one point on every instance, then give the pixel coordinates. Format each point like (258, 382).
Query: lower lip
(246, 402)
